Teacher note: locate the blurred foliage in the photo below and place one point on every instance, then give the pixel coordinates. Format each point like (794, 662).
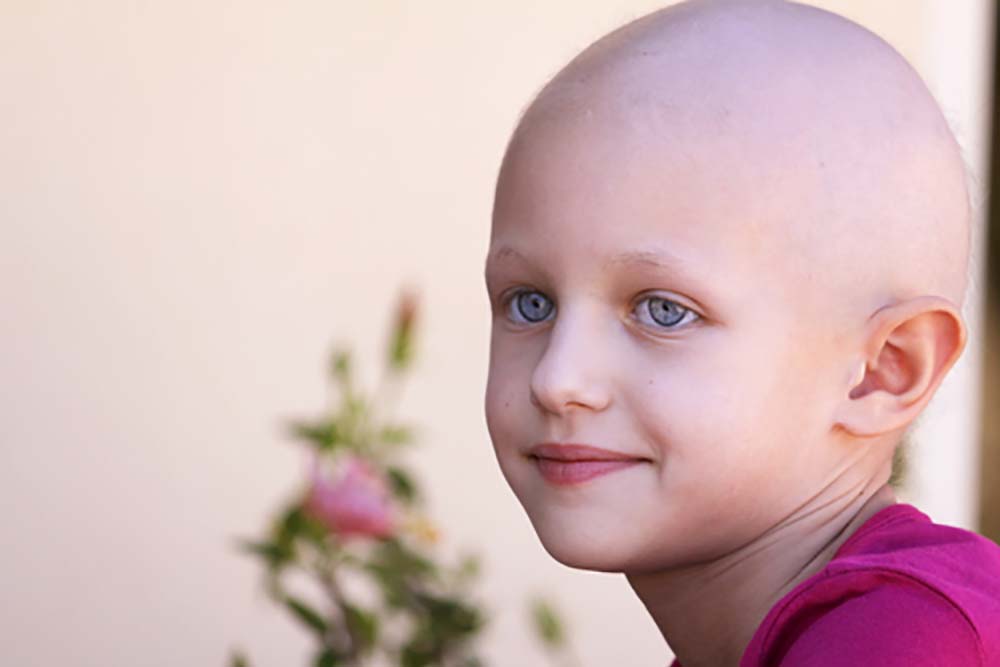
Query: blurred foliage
(900, 463)
(547, 624)
(429, 604)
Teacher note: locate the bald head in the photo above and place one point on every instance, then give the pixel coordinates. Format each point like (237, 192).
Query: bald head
(858, 184)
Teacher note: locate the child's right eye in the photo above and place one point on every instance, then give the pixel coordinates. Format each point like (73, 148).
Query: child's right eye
(529, 307)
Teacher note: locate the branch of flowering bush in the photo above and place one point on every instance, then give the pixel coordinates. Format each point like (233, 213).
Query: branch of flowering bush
(359, 517)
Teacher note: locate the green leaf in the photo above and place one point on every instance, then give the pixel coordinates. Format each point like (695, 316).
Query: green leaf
(327, 657)
(291, 521)
(404, 323)
(325, 435)
(546, 622)
(469, 567)
(306, 614)
(401, 483)
(396, 434)
(340, 365)
(287, 528)
(395, 556)
(363, 625)
(274, 554)
(239, 659)
(417, 654)
(295, 523)
(450, 617)
(395, 593)
(354, 408)
(401, 350)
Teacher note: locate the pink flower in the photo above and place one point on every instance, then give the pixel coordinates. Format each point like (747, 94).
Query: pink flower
(356, 503)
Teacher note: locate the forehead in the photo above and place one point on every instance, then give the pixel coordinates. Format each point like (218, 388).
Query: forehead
(594, 185)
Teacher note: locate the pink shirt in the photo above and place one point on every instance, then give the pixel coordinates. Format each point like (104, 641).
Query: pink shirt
(902, 591)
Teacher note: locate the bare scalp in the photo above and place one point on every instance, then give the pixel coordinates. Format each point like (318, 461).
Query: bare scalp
(860, 185)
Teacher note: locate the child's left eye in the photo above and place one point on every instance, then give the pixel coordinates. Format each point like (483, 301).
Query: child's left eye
(663, 313)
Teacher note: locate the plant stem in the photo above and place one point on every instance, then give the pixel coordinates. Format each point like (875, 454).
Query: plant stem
(336, 594)
(382, 404)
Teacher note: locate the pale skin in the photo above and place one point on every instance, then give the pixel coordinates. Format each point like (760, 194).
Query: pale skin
(741, 263)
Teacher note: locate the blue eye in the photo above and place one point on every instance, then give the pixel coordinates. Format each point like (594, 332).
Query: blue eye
(664, 312)
(530, 306)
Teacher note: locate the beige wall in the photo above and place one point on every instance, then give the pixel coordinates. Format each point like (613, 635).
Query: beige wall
(197, 198)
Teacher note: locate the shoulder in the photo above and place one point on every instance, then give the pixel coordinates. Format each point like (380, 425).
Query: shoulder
(901, 591)
(873, 617)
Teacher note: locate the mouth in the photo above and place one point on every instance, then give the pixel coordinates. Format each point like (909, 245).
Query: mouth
(564, 464)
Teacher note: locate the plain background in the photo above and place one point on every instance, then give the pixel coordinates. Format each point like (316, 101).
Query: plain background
(197, 199)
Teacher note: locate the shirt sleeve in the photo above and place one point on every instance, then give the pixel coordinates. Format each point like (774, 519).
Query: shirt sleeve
(898, 623)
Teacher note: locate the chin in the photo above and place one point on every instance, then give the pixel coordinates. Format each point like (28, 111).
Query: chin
(581, 550)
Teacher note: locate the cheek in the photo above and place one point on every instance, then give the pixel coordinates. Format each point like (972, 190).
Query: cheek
(732, 419)
(507, 399)
(712, 402)
(499, 403)
(509, 412)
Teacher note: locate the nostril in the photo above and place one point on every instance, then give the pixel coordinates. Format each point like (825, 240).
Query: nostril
(534, 399)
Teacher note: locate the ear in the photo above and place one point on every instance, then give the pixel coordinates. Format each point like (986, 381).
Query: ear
(908, 349)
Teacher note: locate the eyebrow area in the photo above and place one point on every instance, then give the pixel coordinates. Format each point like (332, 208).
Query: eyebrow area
(659, 259)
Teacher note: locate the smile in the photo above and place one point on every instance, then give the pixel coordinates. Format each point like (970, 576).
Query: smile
(575, 472)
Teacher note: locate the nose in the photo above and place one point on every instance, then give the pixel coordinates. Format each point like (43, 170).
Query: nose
(568, 375)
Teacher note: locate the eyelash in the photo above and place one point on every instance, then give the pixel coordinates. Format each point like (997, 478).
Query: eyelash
(510, 306)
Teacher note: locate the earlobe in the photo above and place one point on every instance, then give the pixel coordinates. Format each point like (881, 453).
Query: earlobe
(908, 348)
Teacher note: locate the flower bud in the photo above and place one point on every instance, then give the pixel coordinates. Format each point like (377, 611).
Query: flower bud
(356, 503)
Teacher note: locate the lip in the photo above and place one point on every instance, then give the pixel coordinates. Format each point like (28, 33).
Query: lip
(574, 452)
(565, 464)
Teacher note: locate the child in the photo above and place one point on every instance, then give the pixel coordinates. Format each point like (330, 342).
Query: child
(728, 256)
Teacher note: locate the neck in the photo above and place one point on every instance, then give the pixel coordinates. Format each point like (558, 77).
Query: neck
(708, 612)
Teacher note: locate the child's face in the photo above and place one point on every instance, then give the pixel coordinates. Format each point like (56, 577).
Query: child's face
(657, 319)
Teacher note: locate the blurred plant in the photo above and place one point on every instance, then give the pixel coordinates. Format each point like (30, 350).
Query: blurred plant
(360, 518)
